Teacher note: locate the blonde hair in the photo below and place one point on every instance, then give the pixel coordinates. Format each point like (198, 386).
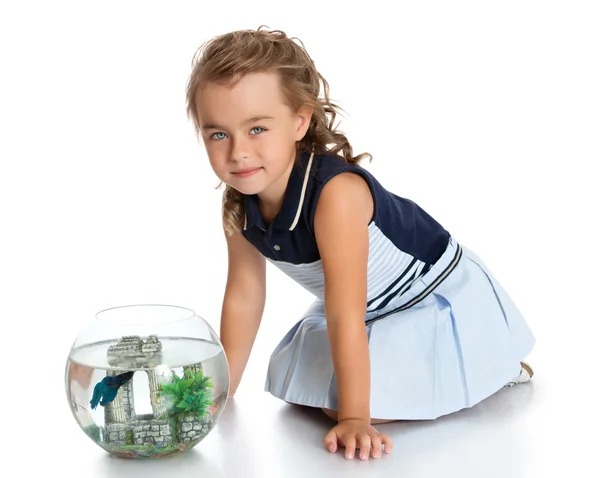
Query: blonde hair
(226, 58)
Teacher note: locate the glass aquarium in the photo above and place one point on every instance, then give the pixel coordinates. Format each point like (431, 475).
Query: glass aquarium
(147, 381)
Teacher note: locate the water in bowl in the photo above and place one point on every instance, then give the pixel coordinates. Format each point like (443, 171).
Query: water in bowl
(147, 397)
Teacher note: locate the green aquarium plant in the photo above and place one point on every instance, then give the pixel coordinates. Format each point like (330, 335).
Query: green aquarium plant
(190, 394)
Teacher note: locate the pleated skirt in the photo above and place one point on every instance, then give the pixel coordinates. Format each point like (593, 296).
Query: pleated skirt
(452, 340)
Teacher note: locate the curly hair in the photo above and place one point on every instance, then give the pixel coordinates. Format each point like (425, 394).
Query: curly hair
(226, 58)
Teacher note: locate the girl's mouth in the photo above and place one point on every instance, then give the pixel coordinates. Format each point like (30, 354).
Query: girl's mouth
(246, 172)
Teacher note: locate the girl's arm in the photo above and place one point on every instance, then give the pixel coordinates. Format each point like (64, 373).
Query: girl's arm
(342, 217)
(243, 304)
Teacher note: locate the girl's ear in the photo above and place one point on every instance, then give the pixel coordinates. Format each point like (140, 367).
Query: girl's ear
(303, 117)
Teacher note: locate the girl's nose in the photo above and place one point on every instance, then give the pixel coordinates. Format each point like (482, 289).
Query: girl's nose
(239, 150)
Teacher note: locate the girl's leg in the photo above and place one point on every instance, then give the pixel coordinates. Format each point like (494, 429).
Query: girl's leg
(525, 375)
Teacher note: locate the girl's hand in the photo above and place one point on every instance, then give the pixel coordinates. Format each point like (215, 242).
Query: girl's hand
(354, 433)
(82, 375)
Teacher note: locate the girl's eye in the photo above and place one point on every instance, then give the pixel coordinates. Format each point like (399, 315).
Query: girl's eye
(214, 135)
(258, 127)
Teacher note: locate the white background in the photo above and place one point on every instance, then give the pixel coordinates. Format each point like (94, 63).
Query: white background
(484, 113)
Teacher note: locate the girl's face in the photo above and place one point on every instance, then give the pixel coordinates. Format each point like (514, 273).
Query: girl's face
(250, 133)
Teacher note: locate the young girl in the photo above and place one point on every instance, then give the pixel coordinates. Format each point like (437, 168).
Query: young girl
(407, 323)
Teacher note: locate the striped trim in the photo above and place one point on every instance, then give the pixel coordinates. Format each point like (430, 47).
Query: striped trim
(393, 284)
(427, 290)
(299, 210)
(399, 291)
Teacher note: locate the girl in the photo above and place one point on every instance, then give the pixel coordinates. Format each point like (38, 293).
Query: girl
(407, 323)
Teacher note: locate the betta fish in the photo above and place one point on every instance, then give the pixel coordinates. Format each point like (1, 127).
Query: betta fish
(106, 390)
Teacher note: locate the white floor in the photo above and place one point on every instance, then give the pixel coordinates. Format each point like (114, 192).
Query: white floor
(547, 425)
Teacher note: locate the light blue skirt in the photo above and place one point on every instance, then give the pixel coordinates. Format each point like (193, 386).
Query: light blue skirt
(452, 340)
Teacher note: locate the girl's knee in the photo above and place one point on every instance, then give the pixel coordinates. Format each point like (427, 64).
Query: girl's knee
(330, 413)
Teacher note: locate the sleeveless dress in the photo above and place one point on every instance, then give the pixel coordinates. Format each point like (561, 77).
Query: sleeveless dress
(443, 333)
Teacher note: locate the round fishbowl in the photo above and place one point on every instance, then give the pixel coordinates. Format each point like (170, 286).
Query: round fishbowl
(147, 381)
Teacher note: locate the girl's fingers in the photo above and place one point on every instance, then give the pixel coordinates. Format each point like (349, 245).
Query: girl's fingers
(376, 444)
(365, 446)
(350, 444)
(330, 441)
(387, 441)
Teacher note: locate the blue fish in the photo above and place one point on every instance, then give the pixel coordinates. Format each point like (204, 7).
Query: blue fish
(106, 390)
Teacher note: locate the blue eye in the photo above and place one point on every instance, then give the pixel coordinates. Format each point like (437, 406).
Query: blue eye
(214, 134)
(258, 127)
